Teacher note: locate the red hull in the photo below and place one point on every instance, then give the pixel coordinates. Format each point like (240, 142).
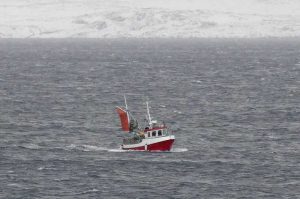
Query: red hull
(159, 146)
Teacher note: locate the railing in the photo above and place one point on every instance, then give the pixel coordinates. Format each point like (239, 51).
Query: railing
(134, 140)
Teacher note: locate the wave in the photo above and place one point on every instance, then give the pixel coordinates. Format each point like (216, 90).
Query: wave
(88, 191)
(30, 146)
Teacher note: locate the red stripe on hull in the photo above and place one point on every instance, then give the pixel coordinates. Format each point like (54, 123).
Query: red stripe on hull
(159, 146)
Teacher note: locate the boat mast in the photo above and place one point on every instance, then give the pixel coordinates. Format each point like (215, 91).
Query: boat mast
(125, 102)
(149, 116)
(126, 108)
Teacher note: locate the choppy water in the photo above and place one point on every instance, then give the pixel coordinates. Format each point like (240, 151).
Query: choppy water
(234, 106)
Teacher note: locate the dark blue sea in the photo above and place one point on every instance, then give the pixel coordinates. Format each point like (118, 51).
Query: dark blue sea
(233, 105)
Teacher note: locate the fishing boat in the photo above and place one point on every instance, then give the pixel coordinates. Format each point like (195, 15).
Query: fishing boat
(153, 136)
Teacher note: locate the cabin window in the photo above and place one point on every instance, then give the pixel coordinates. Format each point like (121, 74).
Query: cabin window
(159, 133)
(149, 134)
(153, 133)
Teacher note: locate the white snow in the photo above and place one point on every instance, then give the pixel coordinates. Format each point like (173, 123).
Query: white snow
(149, 18)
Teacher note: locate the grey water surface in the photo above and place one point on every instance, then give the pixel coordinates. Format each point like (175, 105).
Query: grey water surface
(234, 106)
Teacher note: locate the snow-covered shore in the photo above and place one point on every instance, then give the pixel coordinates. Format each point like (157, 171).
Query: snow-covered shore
(146, 19)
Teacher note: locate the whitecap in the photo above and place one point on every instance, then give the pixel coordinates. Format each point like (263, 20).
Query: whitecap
(14, 185)
(196, 81)
(41, 168)
(71, 146)
(176, 111)
(30, 146)
(88, 191)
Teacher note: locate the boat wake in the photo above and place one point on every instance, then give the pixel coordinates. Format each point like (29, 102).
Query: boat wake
(90, 148)
(175, 150)
(118, 150)
(86, 148)
(179, 150)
